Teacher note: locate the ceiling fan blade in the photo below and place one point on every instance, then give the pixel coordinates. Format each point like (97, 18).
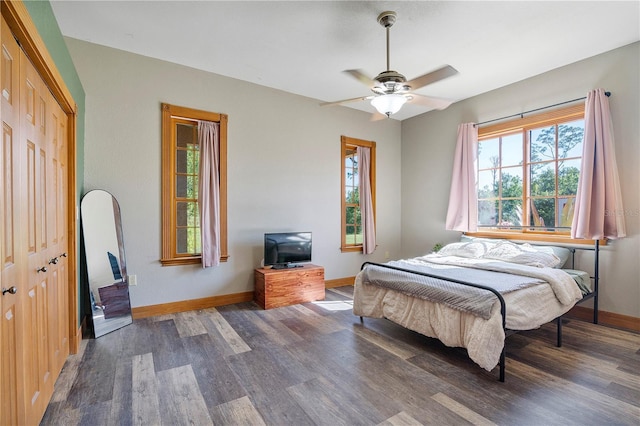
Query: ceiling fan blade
(429, 101)
(346, 101)
(431, 77)
(361, 77)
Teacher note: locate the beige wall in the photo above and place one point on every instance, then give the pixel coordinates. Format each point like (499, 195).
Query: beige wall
(283, 168)
(428, 144)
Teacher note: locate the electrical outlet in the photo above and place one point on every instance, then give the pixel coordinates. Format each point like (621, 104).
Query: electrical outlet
(133, 280)
(386, 255)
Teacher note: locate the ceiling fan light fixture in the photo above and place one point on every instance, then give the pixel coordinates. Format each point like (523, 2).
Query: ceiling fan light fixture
(388, 104)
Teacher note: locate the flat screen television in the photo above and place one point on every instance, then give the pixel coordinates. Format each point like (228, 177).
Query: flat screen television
(287, 249)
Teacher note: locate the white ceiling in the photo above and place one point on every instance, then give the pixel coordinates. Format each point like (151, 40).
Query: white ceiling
(302, 47)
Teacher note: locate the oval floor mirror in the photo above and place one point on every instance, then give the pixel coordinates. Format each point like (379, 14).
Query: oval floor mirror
(108, 286)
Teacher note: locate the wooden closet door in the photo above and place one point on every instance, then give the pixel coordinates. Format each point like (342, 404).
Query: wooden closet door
(12, 270)
(56, 137)
(38, 206)
(34, 315)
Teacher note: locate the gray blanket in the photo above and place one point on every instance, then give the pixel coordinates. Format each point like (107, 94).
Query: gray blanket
(464, 298)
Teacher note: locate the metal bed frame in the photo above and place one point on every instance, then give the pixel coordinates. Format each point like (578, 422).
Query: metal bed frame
(503, 308)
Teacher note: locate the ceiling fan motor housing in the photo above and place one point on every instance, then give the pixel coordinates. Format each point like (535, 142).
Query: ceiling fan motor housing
(390, 82)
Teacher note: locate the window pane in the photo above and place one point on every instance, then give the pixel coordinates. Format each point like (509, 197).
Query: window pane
(181, 186)
(187, 214)
(565, 211)
(358, 235)
(352, 195)
(570, 139)
(488, 153)
(188, 240)
(193, 218)
(192, 187)
(186, 134)
(543, 143)
(568, 174)
(181, 241)
(487, 213)
(543, 212)
(511, 182)
(511, 213)
(182, 213)
(187, 186)
(351, 170)
(348, 177)
(193, 164)
(181, 161)
(543, 179)
(512, 150)
(350, 217)
(488, 183)
(194, 241)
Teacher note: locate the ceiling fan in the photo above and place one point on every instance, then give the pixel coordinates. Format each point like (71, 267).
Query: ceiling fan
(391, 89)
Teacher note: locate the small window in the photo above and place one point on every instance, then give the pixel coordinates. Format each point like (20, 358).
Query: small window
(180, 169)
(351, 218)
(528, 172)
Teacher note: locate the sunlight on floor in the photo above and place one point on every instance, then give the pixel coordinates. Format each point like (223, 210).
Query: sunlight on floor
(335, 305)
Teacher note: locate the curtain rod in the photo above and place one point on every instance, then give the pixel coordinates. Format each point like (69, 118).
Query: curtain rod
(521, 115)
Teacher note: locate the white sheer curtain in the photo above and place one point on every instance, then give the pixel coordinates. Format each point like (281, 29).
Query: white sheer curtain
(462, 214)
(598, 208)
(366, 202)
(209, 192)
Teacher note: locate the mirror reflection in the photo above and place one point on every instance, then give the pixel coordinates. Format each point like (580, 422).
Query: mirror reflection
(106, 263)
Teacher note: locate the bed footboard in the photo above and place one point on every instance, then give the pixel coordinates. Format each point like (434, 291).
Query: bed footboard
(503, 307)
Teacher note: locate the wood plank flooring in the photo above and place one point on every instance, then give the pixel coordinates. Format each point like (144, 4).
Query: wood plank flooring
(316, 364)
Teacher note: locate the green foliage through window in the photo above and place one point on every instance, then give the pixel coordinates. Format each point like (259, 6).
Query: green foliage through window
(529, 177)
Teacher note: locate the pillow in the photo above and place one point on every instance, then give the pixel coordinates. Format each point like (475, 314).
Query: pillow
(561, 252)
(523, 254)
(474, 249)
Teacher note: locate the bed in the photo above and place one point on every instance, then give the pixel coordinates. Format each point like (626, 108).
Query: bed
(475, 293)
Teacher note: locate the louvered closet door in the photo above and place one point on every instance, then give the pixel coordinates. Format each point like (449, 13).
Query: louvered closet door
(11, 259)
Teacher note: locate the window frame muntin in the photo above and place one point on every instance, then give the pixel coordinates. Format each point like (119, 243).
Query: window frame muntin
(169, 257)
(346, 143)
(523, 124)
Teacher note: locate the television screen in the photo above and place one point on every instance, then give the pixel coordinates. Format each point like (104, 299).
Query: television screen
(283, 248)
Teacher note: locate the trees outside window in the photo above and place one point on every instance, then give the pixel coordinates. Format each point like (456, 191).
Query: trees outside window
(528, 171)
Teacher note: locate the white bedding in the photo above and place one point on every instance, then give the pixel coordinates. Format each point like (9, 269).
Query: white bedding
(527, 309)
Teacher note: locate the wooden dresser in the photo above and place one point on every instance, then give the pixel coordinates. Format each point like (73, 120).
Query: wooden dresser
(283, 287)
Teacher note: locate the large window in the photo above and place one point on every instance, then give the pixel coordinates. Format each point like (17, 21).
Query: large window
(528, 172)
(351, 217)
(180, 166)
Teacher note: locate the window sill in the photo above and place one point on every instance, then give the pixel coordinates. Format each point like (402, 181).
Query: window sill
(547, 237)
(351, 249)
(192, 260)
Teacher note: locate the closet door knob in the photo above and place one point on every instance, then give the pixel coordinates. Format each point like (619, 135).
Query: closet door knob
(43, 269)
(11, 290)
(53, 260)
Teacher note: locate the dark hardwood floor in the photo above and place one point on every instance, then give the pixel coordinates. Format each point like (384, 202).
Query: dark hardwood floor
(316, 364)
